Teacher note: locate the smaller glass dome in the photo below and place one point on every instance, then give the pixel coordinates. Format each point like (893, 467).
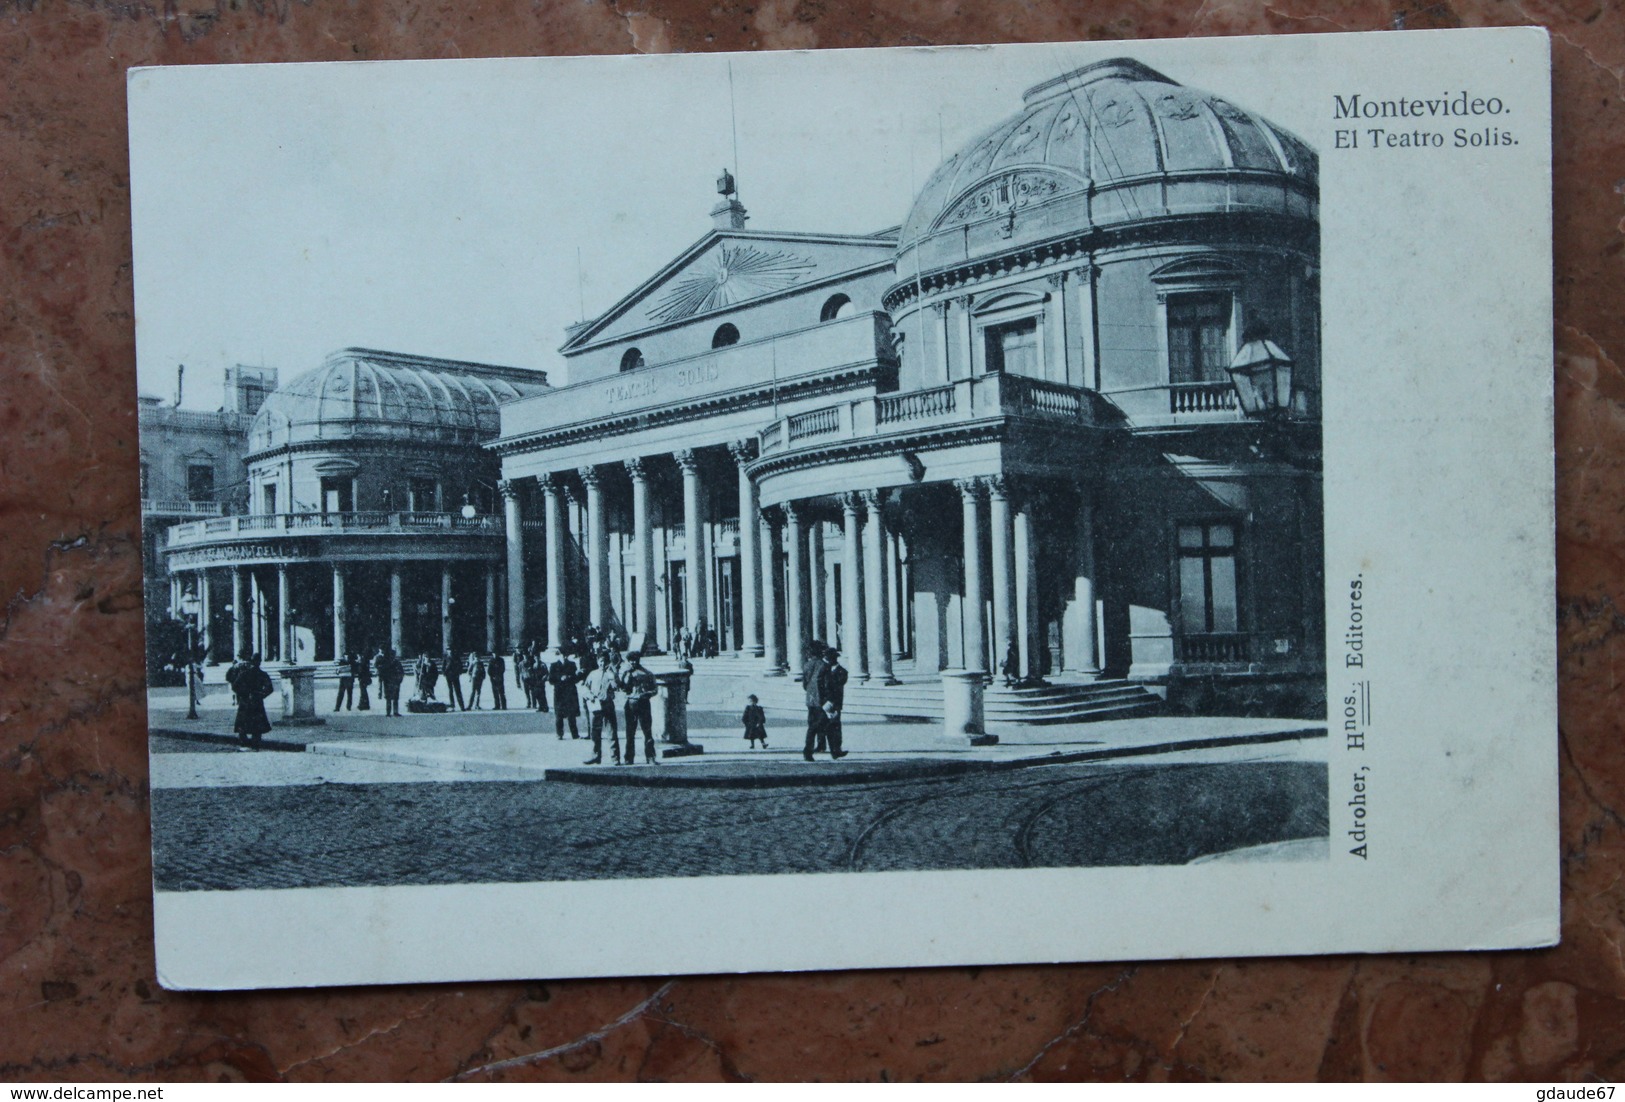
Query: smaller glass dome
(361, 393)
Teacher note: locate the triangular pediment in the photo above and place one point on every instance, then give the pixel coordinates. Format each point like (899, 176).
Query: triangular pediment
(726, 269)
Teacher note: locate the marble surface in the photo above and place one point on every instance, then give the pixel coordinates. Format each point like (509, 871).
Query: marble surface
(78, 999)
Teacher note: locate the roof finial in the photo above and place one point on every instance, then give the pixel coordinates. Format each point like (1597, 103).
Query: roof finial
(730, 213)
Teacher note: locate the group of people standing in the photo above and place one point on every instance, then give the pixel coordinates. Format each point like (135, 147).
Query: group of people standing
(700, 643)
(357, 671)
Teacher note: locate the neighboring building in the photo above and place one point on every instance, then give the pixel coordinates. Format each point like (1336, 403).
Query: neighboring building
(370, 515)
(191, 467)
(1006, 429)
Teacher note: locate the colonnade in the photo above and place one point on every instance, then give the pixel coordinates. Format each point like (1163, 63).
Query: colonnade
(1011, 540)
(793, 553)
(260, 624)
(605, 576)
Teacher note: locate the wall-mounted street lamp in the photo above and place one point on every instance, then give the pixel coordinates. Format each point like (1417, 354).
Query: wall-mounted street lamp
(1262, 375)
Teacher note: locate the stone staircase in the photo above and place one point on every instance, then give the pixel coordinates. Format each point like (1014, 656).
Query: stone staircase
(724, 682)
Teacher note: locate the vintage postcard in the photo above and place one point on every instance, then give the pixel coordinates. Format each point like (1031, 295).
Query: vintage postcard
(681, 514)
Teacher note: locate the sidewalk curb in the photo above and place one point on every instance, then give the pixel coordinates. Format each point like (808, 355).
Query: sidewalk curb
(797, 774)
(226, 740)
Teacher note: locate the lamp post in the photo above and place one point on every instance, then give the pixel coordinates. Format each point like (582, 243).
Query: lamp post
(189, 609)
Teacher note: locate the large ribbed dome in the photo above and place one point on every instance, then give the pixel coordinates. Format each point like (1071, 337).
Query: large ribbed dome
(1120, 134)
(360, 393)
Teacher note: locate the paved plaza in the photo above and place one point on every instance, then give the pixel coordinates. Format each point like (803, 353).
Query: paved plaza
(365, 799)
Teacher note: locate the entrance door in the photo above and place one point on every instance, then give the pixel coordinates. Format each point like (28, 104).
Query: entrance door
(677, 588)
(727, 604)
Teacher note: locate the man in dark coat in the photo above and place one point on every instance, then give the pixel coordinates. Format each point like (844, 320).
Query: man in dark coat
(251, 685)
(361, 670)
(476, 681)
(346, 684)
(832, 687)
(810, 674)
(454, 682)
(498, 671)
(562, 675)
(391, 672)
(640, 686)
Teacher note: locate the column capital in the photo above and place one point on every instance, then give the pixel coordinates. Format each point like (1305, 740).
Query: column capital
(872, 500)
(551, 484)
(772, 516)
(1056, 280)
(591, 476)
(999, 487)
(851, 503)
(743, 451)
(971, 489)
(688, 459)
(794, 513)
(508, 488)
(638, 468)
(941, 307)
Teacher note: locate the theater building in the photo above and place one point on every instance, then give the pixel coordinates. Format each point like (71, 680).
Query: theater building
(1004, 432)
(370, 516)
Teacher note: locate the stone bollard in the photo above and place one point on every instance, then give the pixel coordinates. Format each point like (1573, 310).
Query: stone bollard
(669, 710)
(299, 697)
(962, 716)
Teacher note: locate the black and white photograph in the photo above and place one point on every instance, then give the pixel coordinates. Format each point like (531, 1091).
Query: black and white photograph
(754, 495)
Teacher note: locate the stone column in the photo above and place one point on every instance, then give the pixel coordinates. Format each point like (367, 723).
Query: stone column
(204, 635)
(772, 595)
(240, 611)
(943, 340)
(1055, 329)
(1026, 555)
(749, 564)
(553, 523)
(396, 638)
(967, 334)
(830, 627)
(255, 614)
(876, 589)
(445, 608)
(597, 548)
(896, 595)
(284, 622)
(643, 548)
(821, 617)
(1082, 655)
(975, 645)
(795, 604)
(490, 609)
(1004, 570)
(341, 645)
(853, 636)
(693, 541)
(514, 519)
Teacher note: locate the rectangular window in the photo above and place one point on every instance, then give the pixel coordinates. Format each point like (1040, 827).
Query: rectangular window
(422, 495)
(268, 496)
(1207, 579)
(336, 495)
(1013, 347)
(200, 482)
(1199, 338)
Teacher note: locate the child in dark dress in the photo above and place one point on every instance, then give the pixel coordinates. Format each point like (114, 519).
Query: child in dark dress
(755, 721)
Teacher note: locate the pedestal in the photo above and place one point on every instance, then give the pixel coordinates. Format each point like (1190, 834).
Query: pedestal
(669, 710)
(962, 707)
(298, 697)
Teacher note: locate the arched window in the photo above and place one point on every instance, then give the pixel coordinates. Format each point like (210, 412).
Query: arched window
(631, 360)
(836, 306)
(725, 335)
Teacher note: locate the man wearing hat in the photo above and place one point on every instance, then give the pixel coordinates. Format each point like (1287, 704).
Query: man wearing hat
(639, 686)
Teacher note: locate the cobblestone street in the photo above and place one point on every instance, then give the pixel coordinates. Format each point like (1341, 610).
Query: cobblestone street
(330, 834)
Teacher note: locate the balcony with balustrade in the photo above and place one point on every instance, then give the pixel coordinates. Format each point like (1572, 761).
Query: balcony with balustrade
(986, 399)
(271, 537)
(1185, 405)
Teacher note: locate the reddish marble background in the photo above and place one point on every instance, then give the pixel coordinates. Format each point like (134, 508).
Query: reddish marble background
(78, 999)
